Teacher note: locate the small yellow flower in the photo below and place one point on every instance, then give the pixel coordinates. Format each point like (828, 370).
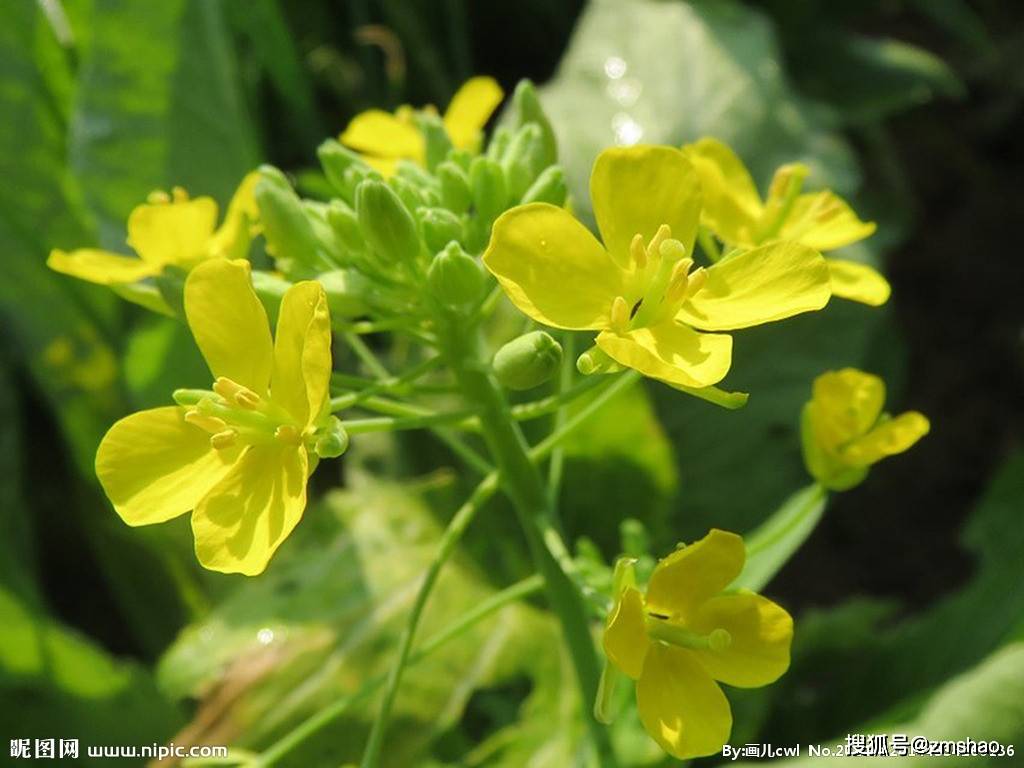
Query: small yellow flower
(687, 633)
(845, 430)
(735, 212)
(240, 455)
(386, 138)
(169, 230)
(640, 289)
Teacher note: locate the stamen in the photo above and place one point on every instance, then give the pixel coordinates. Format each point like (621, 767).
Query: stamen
(696, 280)
(236, 393)
(637, 251)
(211, 424)
(620, 315)
(225, 439)
(676, 634)
(664, 233)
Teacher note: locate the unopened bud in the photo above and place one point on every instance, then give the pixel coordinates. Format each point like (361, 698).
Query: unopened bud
(335, 160)
(331, 440)
(386, 223)
(523, 160)
(529, 110)
(455, 192)
(345, 226)
(490, 193)
(286, 225)
(549, 187)
(435, 138)
(527, 361)
(347, 291)
(455, 277)
(439, 227)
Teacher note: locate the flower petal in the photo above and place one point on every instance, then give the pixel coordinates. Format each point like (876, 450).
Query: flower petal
(732, 205)
(302, 352)
(470, 109)
(637, 189)
(769, 283)
(552, 268)
(229, 323)
(380, 133)
(101, 267)
(761, 633)
(154, 466)
(887, 439)
(243, 520)
(625, 636)
(858, 282)
(173, 233)
(672, 353)
(232, 238)
(824, 221)
(695, 573)
(681, 707)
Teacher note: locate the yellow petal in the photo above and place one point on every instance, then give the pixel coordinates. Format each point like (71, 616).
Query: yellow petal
(858, 282)
(845, 405)
(243, 520)
(173, 233)
(732, 205)
(380, 133)
(302, 352)
(100, 267)
(154, 466)
(233, 237)
(637, 189)
(552, 268)
(672, 353)
(769, 283)
(887, 439)
(695, 573)
(761, 633)
(625, 636)
(470, 109)
(681, 707)
(229, 323)
(824, 221)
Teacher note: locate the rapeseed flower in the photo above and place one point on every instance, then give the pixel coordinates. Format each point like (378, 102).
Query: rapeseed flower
(734, 211)
(845, 430)
(384, 138)
(687, 634)
(238, 456)
(640, 289)
(169, 231)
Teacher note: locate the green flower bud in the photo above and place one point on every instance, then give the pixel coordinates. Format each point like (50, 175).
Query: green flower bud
(527, 361)
(549, 187)
(529, 110)
(455, 193)
(335, 160)
(523, 160)
(286, 225)
(408, 192)
(435, 137)
(461, 158)
(500, 140)
(386, 223)
(331, 439)
(490, 193)
(345, 225)
(270, 288)
(439, 227)
(347, 291)
(455, 277)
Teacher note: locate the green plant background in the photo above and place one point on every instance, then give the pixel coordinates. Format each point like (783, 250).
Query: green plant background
(908, 597)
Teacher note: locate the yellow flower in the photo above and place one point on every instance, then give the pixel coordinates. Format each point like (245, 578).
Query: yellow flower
(386, 138)
(845, 431)
(238, 456)
(687, 633)
(166, 231)
(734, 211)
(640, 289)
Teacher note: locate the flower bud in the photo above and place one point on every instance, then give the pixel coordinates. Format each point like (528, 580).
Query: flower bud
(455, 277)
(527, 361)
(270, 288)
(345, 225)
(523, 160)
(439, 227)
(286, 226)
(335, 160)
(529, 110)
(436, 140)
(455, 193)
(490, 193)
(331, 440)
(346, 291)
(549, 187)
(386, 223)
(500, 140)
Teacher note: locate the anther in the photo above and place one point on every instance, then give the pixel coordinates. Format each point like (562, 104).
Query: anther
(620, 315)
(664, 233)
(637, 251)
(224, 439)
(208, 423)
(236, 393)
(696, 280)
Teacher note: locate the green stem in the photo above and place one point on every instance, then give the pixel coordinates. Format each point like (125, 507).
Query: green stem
(366, 355)
(389, 385)
(557, 464)
(388, 424)
(467, 621)
(523, 483)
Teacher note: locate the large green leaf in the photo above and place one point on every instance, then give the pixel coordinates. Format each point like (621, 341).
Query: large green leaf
(325, 618)
(159, 104)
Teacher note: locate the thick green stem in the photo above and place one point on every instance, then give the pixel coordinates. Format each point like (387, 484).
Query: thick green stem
(525, 486)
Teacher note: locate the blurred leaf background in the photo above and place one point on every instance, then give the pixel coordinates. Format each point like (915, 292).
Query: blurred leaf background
(908, 595)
